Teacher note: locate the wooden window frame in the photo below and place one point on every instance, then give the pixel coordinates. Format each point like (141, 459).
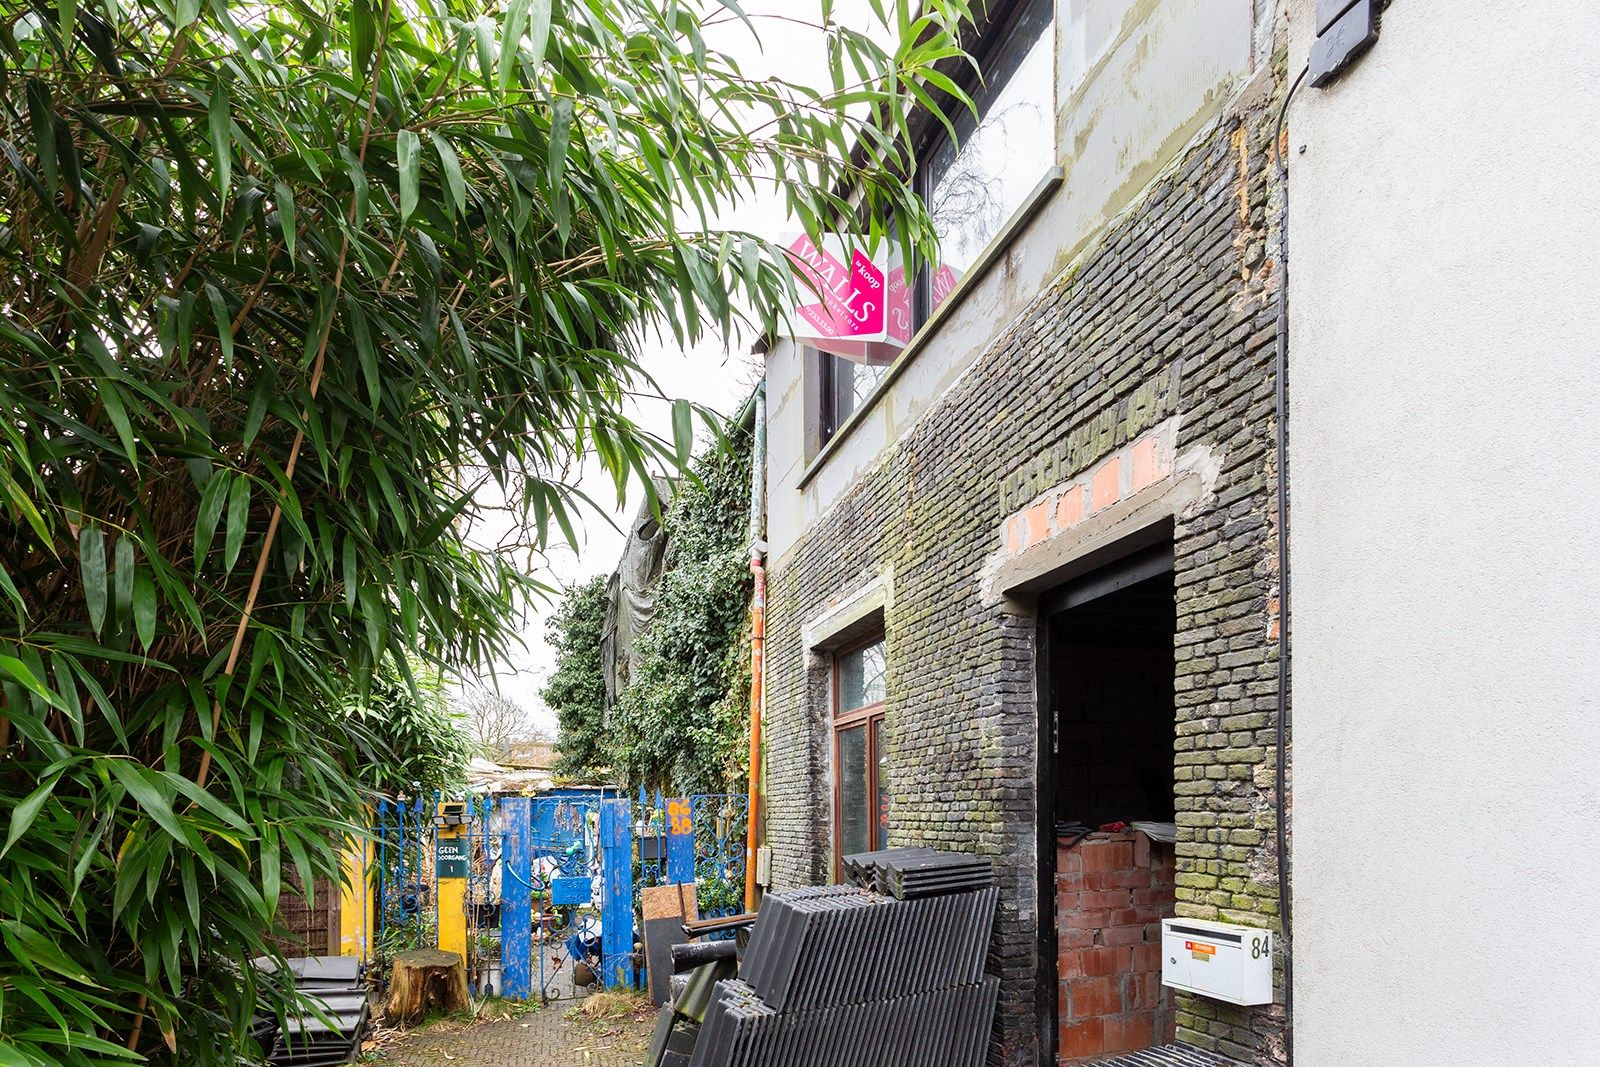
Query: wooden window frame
(838, 722)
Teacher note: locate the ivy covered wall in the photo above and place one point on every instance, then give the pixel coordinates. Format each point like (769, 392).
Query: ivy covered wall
(680, 723)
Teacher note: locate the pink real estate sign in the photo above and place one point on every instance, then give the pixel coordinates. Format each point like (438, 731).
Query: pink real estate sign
(863, 304)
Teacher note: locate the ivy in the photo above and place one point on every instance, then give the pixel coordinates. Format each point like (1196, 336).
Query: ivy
(680, 725)
(576, 691)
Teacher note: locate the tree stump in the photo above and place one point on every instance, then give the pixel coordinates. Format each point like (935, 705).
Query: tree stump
(426, 980)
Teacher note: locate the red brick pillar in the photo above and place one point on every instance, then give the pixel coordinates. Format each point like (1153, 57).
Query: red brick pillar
(1112, 891)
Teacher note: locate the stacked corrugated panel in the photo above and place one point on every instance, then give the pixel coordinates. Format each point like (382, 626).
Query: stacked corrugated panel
(307, 1041)
(946, 1027)
(841, 974)
(918, 872)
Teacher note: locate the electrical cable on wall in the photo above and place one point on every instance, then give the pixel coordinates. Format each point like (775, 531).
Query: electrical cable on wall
(1281, 376)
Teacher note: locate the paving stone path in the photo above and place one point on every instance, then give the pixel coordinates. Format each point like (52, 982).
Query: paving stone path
(545, 1038)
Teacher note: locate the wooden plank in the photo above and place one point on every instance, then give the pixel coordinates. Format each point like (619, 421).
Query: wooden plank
(666, 907)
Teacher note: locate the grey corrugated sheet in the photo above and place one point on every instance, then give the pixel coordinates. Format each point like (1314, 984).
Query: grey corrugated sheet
(854, 975)
(306, 1040)
(1169, 1056)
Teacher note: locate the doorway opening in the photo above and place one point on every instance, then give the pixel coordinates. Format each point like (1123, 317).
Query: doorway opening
(1108, 732)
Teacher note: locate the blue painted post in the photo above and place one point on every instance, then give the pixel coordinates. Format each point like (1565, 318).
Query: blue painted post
(680, 841)
(616, 912)
(516, 900)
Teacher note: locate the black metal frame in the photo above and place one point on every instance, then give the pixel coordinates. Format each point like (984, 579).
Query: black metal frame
(1129, 569)
(837, 395)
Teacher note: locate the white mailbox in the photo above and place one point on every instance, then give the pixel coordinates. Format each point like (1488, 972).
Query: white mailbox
(1220, 960)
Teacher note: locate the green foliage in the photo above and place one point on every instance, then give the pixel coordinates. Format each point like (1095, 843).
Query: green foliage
(576, 691)
(679, 724)
(422, 744)
(282, 286)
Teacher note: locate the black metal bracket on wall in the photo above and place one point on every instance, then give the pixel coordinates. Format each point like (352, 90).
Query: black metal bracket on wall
(1345, 30)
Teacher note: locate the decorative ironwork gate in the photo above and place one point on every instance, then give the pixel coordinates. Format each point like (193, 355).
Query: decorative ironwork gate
(698, 838)
(547, 884)
(405, 883)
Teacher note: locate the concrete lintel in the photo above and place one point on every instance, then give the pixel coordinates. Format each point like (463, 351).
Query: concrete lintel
(861, 611)
(1130, 524)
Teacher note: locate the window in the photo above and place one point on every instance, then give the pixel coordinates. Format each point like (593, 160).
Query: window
(861, 805)
(845, 385)
(974, 184)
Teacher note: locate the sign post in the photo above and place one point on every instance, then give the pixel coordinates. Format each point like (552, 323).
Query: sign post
(451, 860)
(680, 841)
(616, 915)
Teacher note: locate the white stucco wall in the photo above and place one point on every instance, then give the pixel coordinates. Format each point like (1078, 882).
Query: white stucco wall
(1444, 233)
(1136, 81)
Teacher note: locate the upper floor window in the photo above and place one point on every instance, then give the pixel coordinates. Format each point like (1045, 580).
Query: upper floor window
(845, 386)
(972, 185)
(975, 183)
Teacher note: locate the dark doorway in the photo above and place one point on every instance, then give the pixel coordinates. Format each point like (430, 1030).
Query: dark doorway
(1111, 679)
(1107, 728)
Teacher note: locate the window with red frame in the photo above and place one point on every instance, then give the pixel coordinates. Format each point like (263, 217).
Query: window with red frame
(860, 803)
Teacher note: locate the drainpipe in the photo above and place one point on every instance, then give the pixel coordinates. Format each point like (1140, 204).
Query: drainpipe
(758, 637)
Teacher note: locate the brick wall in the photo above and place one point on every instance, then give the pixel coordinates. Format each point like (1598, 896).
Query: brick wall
(1112, 891)
(1168, 321)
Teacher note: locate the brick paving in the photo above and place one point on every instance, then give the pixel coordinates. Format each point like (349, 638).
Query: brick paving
(544, 1038)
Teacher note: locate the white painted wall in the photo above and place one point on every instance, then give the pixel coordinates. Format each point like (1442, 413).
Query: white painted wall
(1444, 233)
(1136, 81)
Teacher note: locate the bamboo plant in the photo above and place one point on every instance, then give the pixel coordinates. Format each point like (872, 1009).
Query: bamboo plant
(287, 290)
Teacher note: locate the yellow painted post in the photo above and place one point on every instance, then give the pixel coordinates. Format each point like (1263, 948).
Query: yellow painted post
(356, 915)
(452, 867)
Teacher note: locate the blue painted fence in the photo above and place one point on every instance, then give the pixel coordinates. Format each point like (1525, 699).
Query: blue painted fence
(557, 876)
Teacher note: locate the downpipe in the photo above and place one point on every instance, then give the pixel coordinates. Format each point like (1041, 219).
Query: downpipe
(758, 638)
(1281, 442)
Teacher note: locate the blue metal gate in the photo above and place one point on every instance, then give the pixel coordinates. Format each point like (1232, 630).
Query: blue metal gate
(552, 881)
(699, 838)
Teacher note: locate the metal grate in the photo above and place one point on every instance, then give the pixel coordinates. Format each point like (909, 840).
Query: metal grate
(1169, 1056)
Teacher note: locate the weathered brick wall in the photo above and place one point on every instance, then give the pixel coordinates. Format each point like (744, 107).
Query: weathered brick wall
(1171, 315)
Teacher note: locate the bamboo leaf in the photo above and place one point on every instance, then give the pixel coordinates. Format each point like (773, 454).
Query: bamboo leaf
(560, 135)
(408, 153)
(285, 201)
(111, 397)
(212, 499)
(538, 31)
(144, 609)
(682, 430)
(451, 164)
(23, 814)
(224, 322)
(511, 31)
(220, 120)
(92, 570)
(122, 577)
(238, 520)
(138, 782)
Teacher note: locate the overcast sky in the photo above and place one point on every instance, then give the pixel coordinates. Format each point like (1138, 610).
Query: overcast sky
(712, 374)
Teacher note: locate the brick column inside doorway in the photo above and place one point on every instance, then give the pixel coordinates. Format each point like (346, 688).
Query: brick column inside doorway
(1112, 891)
